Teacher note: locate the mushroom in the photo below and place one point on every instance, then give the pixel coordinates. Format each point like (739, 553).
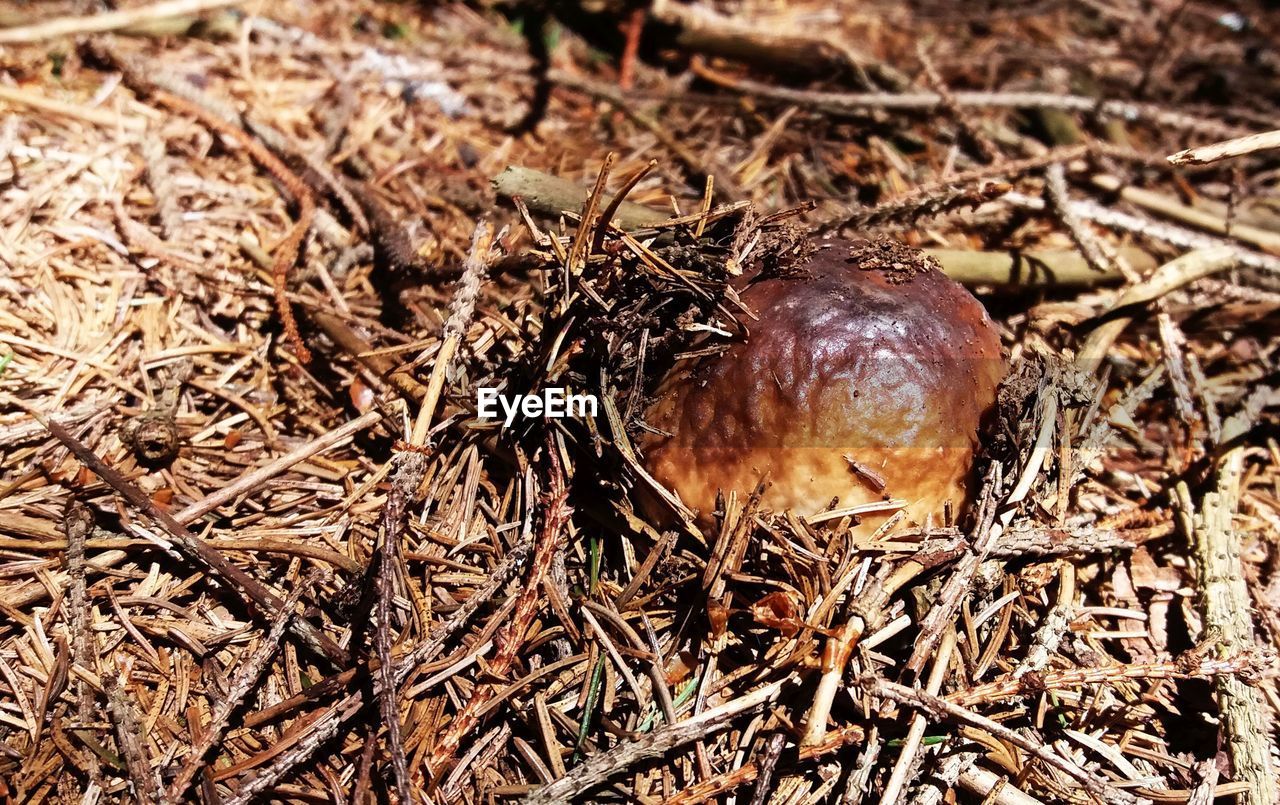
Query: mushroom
(866, 376)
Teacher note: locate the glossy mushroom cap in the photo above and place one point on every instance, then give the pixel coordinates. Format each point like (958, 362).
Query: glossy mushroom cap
(864, 352)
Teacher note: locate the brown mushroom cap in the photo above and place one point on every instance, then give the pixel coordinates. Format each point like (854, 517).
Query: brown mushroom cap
(865, 351)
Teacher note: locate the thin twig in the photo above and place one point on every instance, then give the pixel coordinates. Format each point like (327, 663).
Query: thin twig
(1169, 233)
(1225, 602)
(108, 21)
(242, 683)
(191, 546)
(405, 479)
(1055, 186)
(1169, 277)
(78, 524)
(254, 479)
(942, 709)
(511, 637)
(625, 755)
(859, 103)
(1195, 664)
(1228, 149)
(461, 311)
(902, 767)
(130, 740)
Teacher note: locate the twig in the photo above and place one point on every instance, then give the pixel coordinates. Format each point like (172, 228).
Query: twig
(1169, 277)
(405, 479)
(242, 683)
(1054, 624)
(1169, 207)
(703, 29)
(942, 709)
(109, 21)
(78, 523)
(1174, 342)
(461, 310)
(866, 613)
(380, 365)
(991, 787)
(1051, 267)
(551, 195)
(1194, 664)
(896, 785)
(254, 479)
(1055, 186)
(161, 184)
(191, 546)
(764, 777)
(1228, 149)
(927, 202)
(1225, 602)
(616, 761)
(129, 739)
(957, 585)
(511, 638)
(1169, 233)
(317, 733)
(634, 28)
(858, 783)
(969, 134)
(859, 103)
(408, 475)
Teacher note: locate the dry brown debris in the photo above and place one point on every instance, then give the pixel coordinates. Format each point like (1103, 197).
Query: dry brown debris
(269, 231)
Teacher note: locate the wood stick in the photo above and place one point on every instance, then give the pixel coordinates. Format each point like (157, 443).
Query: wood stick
(552, 195)
(255, 478)
(104, 117)
(1171, 276)
(941, 709)
(108, 21)
(1225, 603)
(859, 104)
(1169, 207)
(601, 767)
(190, 545)
(743, 38)
(1227, 149)
(242, 684)
(1172, 234)
(1035, 268)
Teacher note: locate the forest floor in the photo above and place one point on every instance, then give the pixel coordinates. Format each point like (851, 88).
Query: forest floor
(256, 258)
